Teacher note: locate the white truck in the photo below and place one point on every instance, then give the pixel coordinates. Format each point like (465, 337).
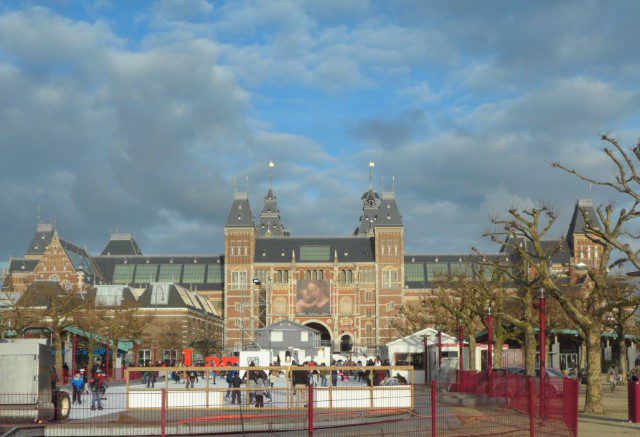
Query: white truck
(26, 391)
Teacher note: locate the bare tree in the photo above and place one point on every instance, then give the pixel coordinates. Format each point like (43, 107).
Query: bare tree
(48, 305)
(596, 301)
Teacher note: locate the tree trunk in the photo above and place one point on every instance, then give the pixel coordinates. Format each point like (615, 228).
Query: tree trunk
(529, 350)
(472, 351)
(593, 398)
(57, 343)
(623, 362)
(583, 353)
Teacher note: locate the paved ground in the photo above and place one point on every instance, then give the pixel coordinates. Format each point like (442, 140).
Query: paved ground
(614, 421)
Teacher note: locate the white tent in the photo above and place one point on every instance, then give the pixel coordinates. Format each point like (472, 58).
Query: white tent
(410, 350)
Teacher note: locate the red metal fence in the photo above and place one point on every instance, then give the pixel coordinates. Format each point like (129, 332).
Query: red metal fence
(472, 403)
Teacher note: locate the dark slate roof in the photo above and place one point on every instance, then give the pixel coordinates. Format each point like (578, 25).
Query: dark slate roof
(240, 215)
(388, 213)
(41, 239)
(41, 293)
(558, 249)
(349, 249)
(81, 260)
(579, 220)
(269, 222)
(122, 244)
(447, 260)
(561, 248)
(127, 294)
(22, 265)
(178, 297)
(107, 265)
(370, 204)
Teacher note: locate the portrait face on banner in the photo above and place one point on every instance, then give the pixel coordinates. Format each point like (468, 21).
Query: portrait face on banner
(313, 297)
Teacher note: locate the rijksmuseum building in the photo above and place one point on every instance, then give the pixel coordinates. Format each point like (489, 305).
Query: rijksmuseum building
(349, 288)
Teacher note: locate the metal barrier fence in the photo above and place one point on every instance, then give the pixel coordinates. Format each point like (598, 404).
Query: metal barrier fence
(351, 402)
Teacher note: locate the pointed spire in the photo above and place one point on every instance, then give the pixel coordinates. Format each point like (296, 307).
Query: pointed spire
(371, 165)
(271, 165)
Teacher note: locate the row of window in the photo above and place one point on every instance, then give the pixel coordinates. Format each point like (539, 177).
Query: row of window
(238, 248)
(430, 271)
(180, 273)
(388, 247)
(586, 254)
(347, 276)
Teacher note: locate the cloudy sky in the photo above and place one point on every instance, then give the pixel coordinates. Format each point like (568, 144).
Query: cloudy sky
(137, 115)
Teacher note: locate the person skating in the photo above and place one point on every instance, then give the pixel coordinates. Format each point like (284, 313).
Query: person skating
(236, 382)
(613, 376)
(77, 384)
(98, 387)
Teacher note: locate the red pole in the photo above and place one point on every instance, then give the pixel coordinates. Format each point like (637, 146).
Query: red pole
(434, 418)
(460, 345)
(74, 352)
(163, 414)
(532, 432)
(490, 350)
(107, 365)
(310, 411)
(439, 349)
(543, 352)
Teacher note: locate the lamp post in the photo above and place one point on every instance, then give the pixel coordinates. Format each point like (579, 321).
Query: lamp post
(490, 350)
(490, 342)
(439, 349)
(460, 344)
(543, 350)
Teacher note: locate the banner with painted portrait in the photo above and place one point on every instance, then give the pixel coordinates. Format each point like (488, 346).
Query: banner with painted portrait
(313, 297)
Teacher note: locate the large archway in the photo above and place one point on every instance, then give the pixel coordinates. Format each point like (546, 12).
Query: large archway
(325, 335)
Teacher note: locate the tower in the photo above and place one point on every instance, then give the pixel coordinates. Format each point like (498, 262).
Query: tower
(239, 248)
(269, 224)
(586, 253)
(388, 230)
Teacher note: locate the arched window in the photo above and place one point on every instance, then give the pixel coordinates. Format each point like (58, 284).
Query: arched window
(349, 276)
(308, 274)
(285, 276)
(343, 276)
(320, 274)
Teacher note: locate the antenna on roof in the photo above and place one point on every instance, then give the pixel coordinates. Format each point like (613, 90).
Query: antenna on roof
(271, 165)
(371, 165)
(393, 182)
(235, 184)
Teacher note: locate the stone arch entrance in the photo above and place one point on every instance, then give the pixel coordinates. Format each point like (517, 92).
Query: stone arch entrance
(325, 334)
(346, 343)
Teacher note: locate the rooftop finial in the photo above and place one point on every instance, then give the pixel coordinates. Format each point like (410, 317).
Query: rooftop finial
(271, 165)
(393, 183)
(371, 165)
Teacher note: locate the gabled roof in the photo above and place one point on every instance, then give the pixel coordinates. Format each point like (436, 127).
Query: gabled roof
(41, 239)
(121, 244)
(170, 295)
(417, 338)
(240, 215)
(348, 249)
(583, 213)
(81, 259)
(41, 293)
